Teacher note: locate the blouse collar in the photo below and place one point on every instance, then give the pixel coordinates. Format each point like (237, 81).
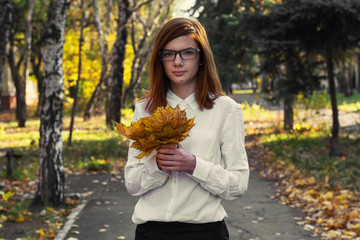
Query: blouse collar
(173, 100)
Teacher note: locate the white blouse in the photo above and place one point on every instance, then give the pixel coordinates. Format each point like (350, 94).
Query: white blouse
(218, 142)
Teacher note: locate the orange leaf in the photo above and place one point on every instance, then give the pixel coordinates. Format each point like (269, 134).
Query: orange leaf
(166, 126)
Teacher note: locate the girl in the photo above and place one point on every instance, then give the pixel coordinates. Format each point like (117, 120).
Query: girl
(210, 165)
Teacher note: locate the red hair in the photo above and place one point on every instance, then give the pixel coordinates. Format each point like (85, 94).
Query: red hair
(208, 86)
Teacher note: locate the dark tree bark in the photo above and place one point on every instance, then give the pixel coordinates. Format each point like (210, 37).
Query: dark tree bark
(357, 73)
(81, 40)
(51, 162)
(288, 112)
(334, 139)
(6, 7)
(114, 82)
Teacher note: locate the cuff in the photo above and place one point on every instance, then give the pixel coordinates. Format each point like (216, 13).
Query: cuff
(202, 169)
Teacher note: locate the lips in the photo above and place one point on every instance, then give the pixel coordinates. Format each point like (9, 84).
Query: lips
(179, 73)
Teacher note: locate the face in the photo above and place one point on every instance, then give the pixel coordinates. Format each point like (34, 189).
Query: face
(182, 73)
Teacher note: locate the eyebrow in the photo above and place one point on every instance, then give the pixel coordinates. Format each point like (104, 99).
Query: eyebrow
(179, 50)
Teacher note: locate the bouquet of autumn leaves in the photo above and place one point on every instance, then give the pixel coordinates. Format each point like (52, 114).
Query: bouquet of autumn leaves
(166, 125)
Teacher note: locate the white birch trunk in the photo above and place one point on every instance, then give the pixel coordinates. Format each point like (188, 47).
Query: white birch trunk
(51, 173)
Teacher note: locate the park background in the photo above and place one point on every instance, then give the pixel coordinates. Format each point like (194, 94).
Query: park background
(68, 69)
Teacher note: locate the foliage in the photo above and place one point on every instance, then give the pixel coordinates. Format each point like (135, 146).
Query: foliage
(28, 223)
(325, 188)
(6, 196)
(254, 113)
(99, 165)
(167, 125)
(91, 66)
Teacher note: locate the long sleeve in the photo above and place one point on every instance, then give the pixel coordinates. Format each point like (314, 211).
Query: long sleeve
(229, 179)
(142, 175)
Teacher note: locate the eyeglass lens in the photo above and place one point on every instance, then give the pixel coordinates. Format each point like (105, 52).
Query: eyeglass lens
(185, 54)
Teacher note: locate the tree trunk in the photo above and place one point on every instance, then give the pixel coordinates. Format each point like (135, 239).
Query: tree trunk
(144, 46)
(81, 39)
(334, 139)
(6, 7)
(51, 162)
(96, 97)
(114, 82)
(36, 59)
(344, 79)
(357, 73)
(14, 67)
(288, 113)
(21, 95)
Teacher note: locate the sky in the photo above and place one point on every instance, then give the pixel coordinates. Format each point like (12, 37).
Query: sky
(181, 6)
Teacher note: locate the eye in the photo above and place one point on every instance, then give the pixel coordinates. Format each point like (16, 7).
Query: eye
(188, 52)
(167, 54)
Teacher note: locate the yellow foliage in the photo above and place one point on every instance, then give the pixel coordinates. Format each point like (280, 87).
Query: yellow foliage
(91, 62)
(166, 126)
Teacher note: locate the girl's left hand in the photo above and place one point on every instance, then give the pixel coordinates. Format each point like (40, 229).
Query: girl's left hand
(173, 157)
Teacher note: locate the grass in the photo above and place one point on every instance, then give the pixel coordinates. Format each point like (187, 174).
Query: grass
(255, 113)
(91, 141)
(308, 150)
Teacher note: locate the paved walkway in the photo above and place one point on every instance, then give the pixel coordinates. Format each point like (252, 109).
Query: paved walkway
(106, 214)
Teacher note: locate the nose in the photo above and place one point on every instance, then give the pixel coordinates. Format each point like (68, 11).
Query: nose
(178, 60)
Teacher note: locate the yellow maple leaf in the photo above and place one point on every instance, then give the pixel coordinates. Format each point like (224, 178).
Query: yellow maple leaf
(40, 232)
(167, 125)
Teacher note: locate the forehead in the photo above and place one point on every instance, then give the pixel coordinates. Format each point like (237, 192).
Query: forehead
(181, 43)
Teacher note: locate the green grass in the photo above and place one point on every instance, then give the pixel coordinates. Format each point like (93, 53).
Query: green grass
(91, 141)
(255, 113)
(322, 100)
(309, 149)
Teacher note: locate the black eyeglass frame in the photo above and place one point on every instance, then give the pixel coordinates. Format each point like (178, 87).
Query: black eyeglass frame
(197, 50)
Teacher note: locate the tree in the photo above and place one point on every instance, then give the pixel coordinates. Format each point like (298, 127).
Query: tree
(5, 23)
(330, 29)
(142, 42)
(23, 43)
(282, 58)
(114, 83)
(222, 38)
(81, 39)
(96, 97)
(36, 53)
(326, 28)
(51, 162)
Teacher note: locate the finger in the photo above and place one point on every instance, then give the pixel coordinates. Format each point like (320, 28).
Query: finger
(166, 157)
(167, 151)
(169, 146)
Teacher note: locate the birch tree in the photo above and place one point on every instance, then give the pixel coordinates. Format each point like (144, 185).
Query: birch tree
(5, 23)
(51, 162)
(96, 97)
(155, 17)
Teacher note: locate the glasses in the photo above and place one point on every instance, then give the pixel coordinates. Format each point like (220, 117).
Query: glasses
(185, 54)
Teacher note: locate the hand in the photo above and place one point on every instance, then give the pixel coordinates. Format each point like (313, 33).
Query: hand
(173, 157)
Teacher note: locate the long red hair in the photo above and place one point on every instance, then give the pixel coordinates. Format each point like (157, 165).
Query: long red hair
(208, 86)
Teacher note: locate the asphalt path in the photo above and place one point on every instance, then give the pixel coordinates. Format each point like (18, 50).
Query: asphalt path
(106, 210)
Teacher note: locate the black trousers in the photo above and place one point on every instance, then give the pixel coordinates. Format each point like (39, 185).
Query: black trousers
(182, 231)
